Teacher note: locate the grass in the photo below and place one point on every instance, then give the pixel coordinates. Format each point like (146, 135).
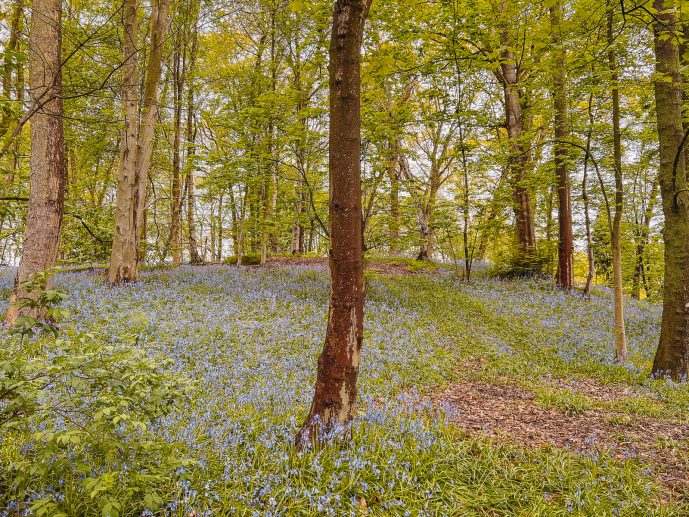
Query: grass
(251, 337)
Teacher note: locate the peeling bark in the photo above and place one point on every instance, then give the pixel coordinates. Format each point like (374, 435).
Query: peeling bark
(332, 407)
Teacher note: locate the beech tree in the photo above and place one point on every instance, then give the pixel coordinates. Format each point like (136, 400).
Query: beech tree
(338, 365)
(136, 145)
(46, 197)
(509, 75)
(672, 356)
(565, 252)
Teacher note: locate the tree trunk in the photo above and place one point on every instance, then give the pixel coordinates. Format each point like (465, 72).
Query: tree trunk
(149, 110)
(394, 228)
(672, 356)
(338, 365)
(298, 233)
(297, 246)
(178, 73)
(466, 208)
(427, 216)
(9, 63)
(123, 258)
(194, 256)
(642, 242)
(240, 242)
(212, 230)
(136, 146)
(426, 248)
(585, 198)
(526, 235)
(7, 115)
(312, 236)
(46, 197)
(565, 250)
(234, 214)
(218, 255)
(616, 234)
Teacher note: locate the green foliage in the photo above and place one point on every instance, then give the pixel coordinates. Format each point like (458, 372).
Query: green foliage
(41, 307)
(251, 259)
(409, 264)
(517, 264)
(564, 400)
(76, 411)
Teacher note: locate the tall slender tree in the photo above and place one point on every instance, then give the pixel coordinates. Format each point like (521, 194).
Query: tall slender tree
(46, 198)
(194, 256)
(338, 365)
(9, 62)
(9, 115)
(565, 251)
(179, 68)
(616, 231)
(123, 260)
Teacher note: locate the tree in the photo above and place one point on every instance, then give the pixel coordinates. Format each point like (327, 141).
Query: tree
(435, 151)
(616, 230)
(672, 356)
(194, 256)
(46, 199)
(136, 146)
(510, 77)
(179, 72)
(338, 365)
(565, 251)
(9, 115)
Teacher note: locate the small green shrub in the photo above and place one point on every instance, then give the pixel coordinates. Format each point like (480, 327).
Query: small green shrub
(69, 403)
(247, 260)
(517, 264)
(564, 400)
(410, 264)
(43, 307)
(421, 265)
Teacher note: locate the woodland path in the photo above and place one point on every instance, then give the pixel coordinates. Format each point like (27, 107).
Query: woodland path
(511, 413)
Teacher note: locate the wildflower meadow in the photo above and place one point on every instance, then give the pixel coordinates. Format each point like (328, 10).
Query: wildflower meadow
(238, 345)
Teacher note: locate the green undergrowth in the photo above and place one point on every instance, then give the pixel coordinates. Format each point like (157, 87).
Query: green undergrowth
(492, 345)
(243, 343)
(412, 265)
(452, 474)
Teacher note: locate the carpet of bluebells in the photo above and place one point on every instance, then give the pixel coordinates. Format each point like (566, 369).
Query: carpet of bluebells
(249, 338)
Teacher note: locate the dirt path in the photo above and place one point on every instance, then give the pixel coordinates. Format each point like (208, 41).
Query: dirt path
(510, 413)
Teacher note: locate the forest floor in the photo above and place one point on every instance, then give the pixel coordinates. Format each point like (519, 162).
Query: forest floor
(481, 398)
(507, 412)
